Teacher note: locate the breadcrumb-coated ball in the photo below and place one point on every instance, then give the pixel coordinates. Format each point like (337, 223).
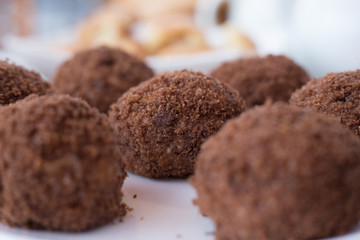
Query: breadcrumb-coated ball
(59, 165)
(16, 83)
(280, 173)
(162, 122)
(259, 79)
(336, 94)
(100, 75)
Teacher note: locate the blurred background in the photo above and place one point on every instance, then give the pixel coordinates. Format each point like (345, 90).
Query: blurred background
(321, 35)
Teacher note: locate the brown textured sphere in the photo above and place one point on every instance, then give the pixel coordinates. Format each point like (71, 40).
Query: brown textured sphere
(100, 76)
(17, 83)
(257, 79)
(336, 94)
(162, 122)
(59, 165)
(280, 173)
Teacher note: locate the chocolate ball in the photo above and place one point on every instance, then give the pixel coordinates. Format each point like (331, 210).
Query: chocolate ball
(17, 83)
(258, 79)
(59, 165)
(162, 122)
(279, 173)
(100, 76)
(336, 94)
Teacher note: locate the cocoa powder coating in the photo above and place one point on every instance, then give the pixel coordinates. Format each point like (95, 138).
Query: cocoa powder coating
(100, 76)
(162, 122)
(280, 173)
(59, 165)
(336, 94)
(17, 83)
(258, 79)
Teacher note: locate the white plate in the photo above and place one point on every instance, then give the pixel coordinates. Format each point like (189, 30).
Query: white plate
(162, 210)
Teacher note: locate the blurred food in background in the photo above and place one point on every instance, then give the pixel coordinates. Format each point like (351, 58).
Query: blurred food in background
(18, 16)
(23, 17)
(155, 27)
(321, 35)
(34, 17)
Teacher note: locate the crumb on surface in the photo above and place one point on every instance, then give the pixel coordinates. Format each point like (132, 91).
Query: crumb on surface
(127, 208)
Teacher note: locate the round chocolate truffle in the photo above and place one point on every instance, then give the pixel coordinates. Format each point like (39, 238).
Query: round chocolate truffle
(17, 83)
(336, 94)
(162, 122)
(279, 173)
(258, 79)
(59, 165)
(100, 76)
